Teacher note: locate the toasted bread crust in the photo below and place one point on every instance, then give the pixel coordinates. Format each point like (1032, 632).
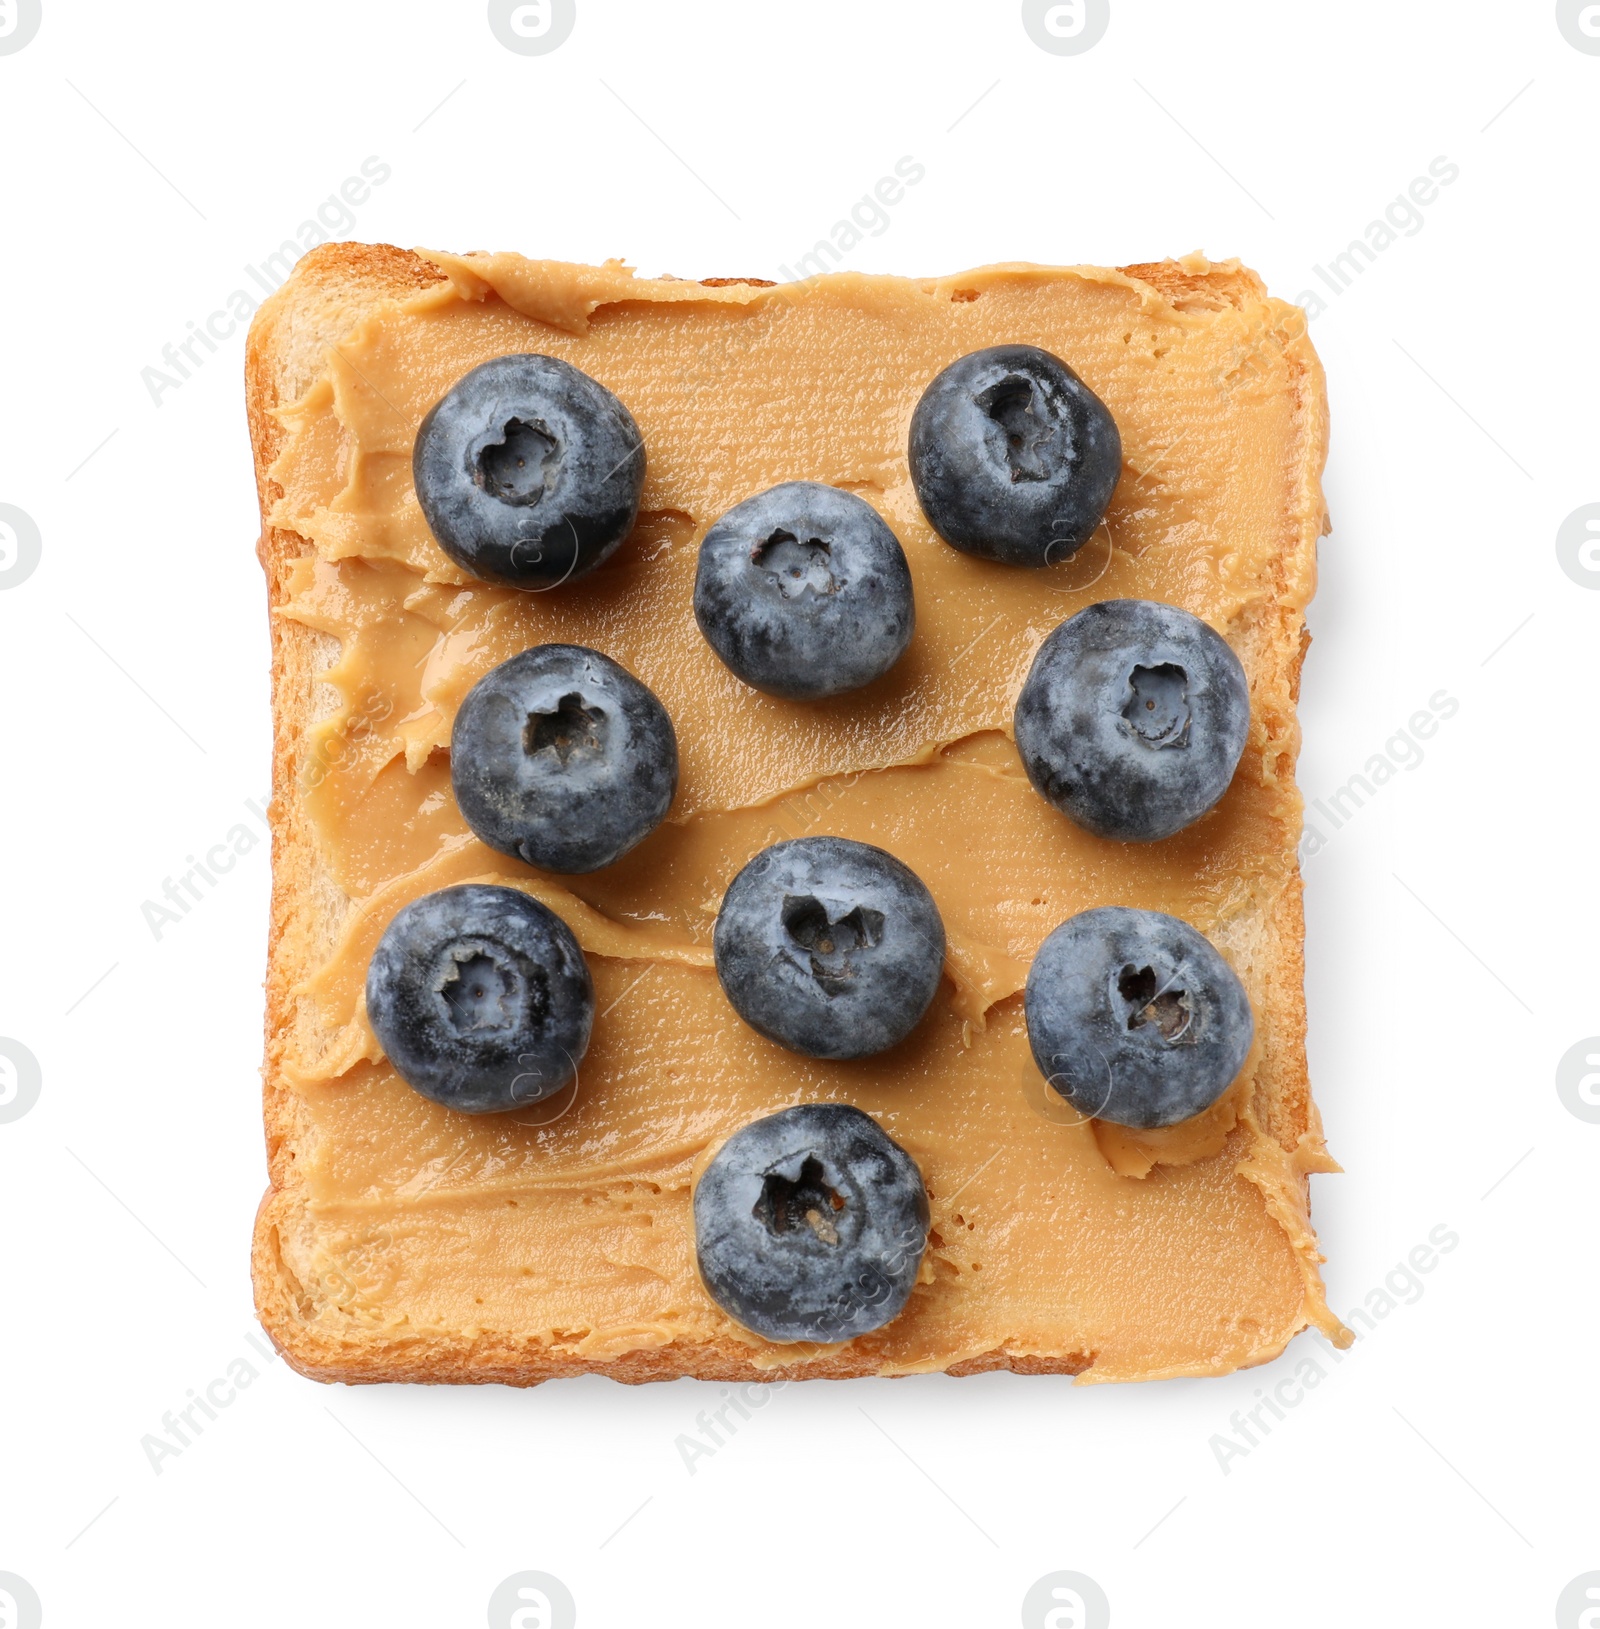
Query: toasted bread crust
(331, 289)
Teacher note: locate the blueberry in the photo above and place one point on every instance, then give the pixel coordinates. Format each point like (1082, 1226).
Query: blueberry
(480, 998)
(1013, 456)
(1134, 1017)
(829, 947)
(804, 591)
(563, 759)
(810, 1224)
(1132, 719)
(528, 471)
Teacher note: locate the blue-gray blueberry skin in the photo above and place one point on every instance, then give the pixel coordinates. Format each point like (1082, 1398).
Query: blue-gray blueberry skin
(528, 472)
(480, 998)
(1134, 1017)
(1013, 456)
(810, 1225)
(561, 758)
(829, 947)
(804, 591)
(1132, 719)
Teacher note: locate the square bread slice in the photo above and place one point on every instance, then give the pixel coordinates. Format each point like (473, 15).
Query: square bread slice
(400, 1241)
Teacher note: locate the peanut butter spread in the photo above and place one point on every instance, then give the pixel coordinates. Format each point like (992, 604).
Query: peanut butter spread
(1122, 1255)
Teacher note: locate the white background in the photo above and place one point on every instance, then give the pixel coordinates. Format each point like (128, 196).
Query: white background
(1442, 1472)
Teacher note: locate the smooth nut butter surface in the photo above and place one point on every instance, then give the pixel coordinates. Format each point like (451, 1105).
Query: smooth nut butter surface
(1128, 1255)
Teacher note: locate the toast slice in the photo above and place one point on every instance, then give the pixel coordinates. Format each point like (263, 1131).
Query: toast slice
(399, 1241)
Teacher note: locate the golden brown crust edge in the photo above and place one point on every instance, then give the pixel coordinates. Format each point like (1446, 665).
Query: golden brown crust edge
(330, 289)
